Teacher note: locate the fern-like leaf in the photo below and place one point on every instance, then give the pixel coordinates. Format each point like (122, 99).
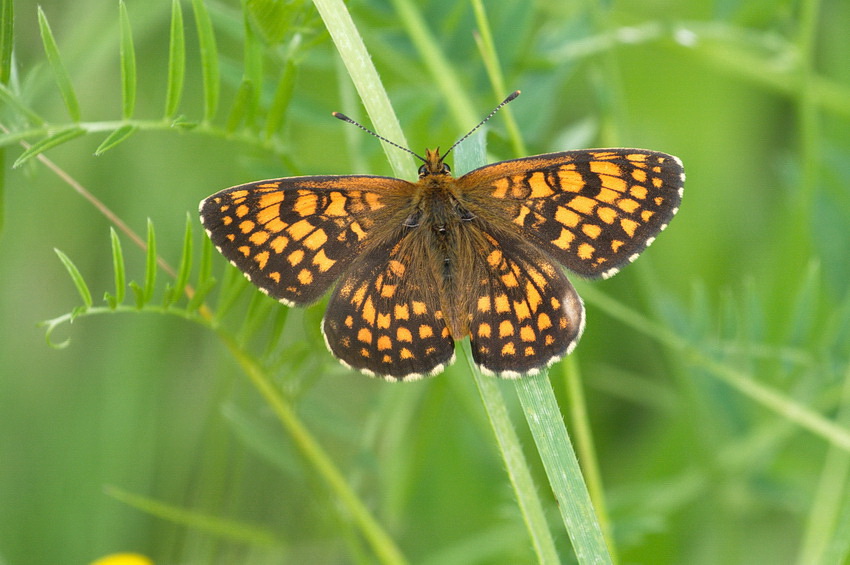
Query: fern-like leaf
(176, 61)
(63, 80)
(128, 64)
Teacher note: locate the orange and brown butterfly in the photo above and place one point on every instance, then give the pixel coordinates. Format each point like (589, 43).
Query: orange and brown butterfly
(420, 265)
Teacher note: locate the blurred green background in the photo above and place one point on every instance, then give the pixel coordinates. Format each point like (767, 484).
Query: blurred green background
(704, 456)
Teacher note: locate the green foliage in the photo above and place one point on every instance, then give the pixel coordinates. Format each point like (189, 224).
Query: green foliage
(176, 61)
(63, 81)
(128, 69)
(200, 421)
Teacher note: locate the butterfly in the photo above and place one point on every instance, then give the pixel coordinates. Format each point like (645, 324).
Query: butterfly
(420, 265)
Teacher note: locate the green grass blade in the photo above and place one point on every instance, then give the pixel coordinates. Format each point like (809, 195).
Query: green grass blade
(358, 62)
(202, 290)
(487, 47)
(7, 36)
(63, 80)
(516, 465)
(832, 496)
(229, 529)
(233, 284)
(79, 282)
(580, 422)
(385, 549)
(206, 282)
(57, 138)
(240, 110)
(276, 331)
(443, 74)
(469, 155)
(740, 380)
(176, 61)
(273, 18)
(128, 64)
(205, 265)
(209, 59)
(185, 265)
(150, 264)
(115, 138)
(281, 99)
(118, 267)
(253, 72)
(550, 434)
(559, 459)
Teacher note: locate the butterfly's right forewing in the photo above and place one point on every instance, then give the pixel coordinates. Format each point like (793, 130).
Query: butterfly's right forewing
(594, 211)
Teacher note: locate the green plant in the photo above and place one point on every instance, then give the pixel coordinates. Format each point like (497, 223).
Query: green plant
(749, 364)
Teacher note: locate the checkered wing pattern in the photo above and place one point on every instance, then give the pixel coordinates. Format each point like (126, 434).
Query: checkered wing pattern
(385, 319)
(594, 211)
(294, 237)
(526, 313)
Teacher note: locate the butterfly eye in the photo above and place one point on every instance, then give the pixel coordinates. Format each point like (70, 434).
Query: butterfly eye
(423, 170)
(446, 170)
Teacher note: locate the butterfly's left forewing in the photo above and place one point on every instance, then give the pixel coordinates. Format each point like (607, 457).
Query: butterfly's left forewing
(294, 237)
(593, 211)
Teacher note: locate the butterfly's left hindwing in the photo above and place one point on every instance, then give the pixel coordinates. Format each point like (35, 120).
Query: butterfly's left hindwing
(594, 211)
(293, 237)
(385, 318)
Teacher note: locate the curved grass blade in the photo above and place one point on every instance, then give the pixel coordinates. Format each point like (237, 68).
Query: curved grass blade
(115, 138)
(57, 138)
(59, 71)
(209, 59)
(176, 61)
(118, 269)
(227, 529)
(128, 64)
(185, 265)
(145, 293)
(79, 282)
(150, 263)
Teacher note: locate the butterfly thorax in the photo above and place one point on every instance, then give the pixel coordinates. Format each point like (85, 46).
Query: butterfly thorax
(440, 231)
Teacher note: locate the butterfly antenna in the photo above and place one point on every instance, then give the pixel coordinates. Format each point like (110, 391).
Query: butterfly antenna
(345, 118)
(510, 97)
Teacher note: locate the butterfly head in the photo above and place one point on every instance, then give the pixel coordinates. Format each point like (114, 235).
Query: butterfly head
(433, 164)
